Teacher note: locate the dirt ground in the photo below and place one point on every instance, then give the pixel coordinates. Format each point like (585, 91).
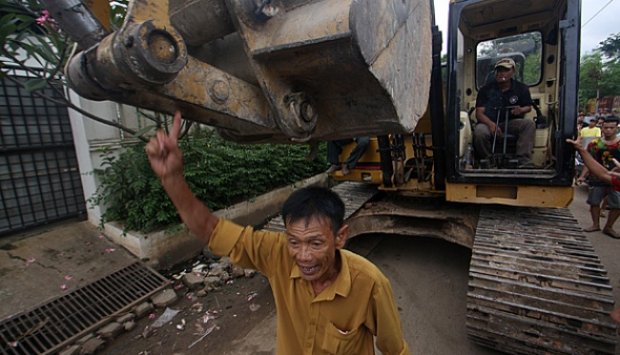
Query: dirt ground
(226, 315)
(429, 278)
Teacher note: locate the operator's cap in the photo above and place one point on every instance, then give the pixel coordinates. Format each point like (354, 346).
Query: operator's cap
(507, 63)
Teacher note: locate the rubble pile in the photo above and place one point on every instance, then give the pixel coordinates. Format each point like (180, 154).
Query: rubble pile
(192, 283)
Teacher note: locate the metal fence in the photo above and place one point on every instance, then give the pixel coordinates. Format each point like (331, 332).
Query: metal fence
(39, 174)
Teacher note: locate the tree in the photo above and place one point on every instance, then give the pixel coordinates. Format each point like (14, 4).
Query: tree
(590, 76)
(610, 80)
(599, 75)
(611, 47)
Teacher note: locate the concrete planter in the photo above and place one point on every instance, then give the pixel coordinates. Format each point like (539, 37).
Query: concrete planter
(165, 248)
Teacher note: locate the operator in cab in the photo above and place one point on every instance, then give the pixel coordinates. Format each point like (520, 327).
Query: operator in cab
(504, 100)
(328, 300)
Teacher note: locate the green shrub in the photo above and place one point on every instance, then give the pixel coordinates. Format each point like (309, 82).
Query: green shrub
(219, 172)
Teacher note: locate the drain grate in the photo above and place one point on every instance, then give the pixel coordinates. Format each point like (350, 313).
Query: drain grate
(54, 324)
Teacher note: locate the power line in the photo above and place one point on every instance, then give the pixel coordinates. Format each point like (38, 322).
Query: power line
(596, 14)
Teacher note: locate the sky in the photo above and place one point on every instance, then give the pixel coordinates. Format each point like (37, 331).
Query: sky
(595, 26)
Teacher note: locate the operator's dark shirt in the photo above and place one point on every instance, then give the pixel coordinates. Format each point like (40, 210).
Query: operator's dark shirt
(492, 98)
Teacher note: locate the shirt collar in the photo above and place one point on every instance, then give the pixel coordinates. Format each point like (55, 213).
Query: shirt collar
(342, 284)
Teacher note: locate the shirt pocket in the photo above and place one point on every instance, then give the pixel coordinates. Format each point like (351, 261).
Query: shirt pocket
(340, 341)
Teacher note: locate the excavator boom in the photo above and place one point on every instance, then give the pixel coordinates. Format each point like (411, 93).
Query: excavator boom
(263, 70)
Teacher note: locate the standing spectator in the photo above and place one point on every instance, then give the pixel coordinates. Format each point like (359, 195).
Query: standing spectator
(604, 150)
(334, 148)
(580, 121)
(587, 134)
(591, 131)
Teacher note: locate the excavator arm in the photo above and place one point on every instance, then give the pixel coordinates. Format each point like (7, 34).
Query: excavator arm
(261, 70)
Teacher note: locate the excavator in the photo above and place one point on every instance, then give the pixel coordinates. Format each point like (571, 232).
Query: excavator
(306, 71)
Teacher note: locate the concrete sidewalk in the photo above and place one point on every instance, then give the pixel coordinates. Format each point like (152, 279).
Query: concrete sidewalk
(52, 261)
(56, 259)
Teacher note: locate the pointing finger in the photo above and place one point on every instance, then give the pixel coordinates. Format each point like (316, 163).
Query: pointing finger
(176, 126)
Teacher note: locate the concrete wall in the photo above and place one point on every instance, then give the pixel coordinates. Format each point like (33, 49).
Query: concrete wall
(92, 138)
(164, 249)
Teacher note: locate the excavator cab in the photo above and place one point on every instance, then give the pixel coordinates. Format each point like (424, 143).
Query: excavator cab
(542, 37)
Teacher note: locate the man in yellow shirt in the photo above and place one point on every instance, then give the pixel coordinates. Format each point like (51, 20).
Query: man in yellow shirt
(592, 130)
(328, 300)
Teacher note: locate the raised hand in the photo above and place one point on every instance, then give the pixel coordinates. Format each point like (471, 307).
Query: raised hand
(163, 151)
(576, 143)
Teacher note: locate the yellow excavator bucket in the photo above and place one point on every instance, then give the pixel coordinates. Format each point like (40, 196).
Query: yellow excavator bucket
(265, 70)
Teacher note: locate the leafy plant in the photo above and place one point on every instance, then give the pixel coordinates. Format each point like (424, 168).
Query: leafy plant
(219, 172)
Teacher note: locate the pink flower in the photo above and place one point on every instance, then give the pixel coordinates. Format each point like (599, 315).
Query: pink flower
(45, 16)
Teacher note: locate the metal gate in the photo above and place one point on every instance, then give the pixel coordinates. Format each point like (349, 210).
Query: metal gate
(39, 174)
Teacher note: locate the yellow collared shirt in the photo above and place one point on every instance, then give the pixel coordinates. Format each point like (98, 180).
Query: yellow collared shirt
(340, 320)
(590, 132)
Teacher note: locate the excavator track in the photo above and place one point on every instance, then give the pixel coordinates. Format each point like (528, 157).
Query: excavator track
(536, 286)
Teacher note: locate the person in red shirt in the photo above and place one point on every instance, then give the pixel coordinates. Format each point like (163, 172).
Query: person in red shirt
(595, 168)
(604, 149)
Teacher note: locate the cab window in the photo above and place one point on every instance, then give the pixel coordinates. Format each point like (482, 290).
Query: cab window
(525, 49)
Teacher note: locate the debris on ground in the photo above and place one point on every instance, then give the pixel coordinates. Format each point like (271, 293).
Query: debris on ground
(165, 318)
(202, 291)
(209, 316)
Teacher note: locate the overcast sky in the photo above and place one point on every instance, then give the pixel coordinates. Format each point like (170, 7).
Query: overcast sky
(599, 27)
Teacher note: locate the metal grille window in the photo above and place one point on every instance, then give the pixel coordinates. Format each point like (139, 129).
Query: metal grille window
(39, 174)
